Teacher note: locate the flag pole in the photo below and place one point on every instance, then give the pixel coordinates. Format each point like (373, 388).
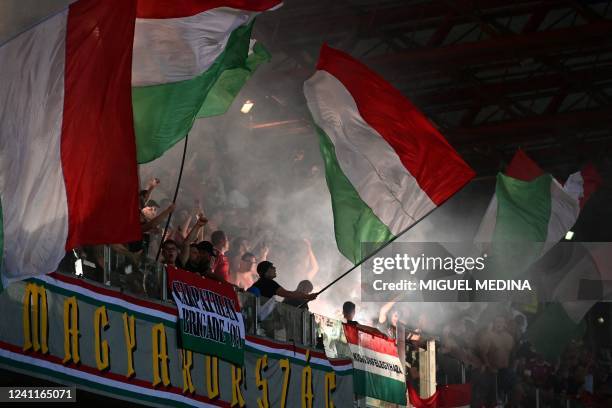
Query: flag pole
(375, 251)
(178, 184)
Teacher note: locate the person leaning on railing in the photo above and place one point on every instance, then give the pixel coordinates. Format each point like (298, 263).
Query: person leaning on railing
(266, 286)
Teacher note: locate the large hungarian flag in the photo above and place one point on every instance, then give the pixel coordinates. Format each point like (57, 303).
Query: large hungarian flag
(68, 174)
(181, 50)
(386, 165)
(377, 369)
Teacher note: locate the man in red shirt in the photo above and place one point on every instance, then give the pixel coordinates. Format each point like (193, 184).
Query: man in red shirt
(221, 267)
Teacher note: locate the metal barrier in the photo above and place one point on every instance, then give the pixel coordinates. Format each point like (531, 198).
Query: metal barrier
(143, 277)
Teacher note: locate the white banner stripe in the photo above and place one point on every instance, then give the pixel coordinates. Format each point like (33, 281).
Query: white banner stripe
(101, 380)
(368, 369)
(381, 357)
(299, 356)
(32, 186)
(365, 157)
(108, 299)
(179, 49)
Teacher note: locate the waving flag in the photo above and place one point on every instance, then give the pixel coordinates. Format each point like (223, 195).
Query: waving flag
(532, 211)
(386, 165)
(181, 50)
(68, 173)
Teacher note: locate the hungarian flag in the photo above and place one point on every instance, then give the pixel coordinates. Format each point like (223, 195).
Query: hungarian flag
(377, 369)
(531, 211)
(386, 165)
(68, 174)
(582, 184)
(530, 205)
(181, 51)
(447, 396)
(230, 82)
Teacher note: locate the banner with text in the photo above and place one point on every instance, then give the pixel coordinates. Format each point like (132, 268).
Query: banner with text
(209, 316)
(77, 333)
(377, 369)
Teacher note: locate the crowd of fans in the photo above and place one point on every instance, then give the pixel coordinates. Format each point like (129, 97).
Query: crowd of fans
(503, 367)
(495, 357)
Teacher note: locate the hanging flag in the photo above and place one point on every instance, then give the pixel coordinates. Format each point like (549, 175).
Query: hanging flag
(68, 174)
(447, 396)
(386, 165)
(231, 81)
(209, 317)
(377, 369)
(180, 51)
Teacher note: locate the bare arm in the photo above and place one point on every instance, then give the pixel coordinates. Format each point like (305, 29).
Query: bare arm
(288, 294)
(151, 184)
(263, 254)
(149, 225)
(382, 315)
(312, 261)
(185, 227)
(184, 257)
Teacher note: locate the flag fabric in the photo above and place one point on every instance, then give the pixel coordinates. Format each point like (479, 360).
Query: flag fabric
(231, 81)
(377, 369)
(576, 274)
(552, 330)
(181, 49)
(530, 205)
(582, 184)
(529, 213)
(447, 396)
(533, 210)
(386, 165)
(209, 317)
(68, 174)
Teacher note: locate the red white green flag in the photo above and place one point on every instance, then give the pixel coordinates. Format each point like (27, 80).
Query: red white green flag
(377, 369)
(68, 174)
(183, 51)
(386, 164)
(209, 317)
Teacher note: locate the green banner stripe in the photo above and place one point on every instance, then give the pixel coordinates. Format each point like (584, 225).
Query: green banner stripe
(69, 379)
(379, 387)
(224, 351)
(164, 114)
(354, 222)
(95, 302)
